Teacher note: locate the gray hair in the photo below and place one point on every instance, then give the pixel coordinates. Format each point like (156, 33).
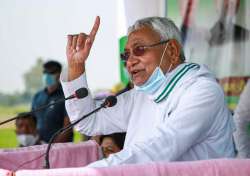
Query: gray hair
(163, 26)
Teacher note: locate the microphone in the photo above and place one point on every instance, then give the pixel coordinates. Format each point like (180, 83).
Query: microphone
(110, 101)
(80, 93)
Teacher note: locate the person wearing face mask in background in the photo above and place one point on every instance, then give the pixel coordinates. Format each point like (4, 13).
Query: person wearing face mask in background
(112, 143)
(176, 110)
(26, 131)
(54, 117)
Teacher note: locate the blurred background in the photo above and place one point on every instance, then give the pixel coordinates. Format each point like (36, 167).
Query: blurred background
(32, 32)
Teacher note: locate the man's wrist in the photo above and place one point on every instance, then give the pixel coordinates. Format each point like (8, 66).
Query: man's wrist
(75, 71)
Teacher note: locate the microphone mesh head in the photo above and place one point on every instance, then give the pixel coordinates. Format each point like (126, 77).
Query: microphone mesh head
(110, 101)
(81, 93)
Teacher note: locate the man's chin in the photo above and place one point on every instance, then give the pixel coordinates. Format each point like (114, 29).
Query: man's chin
(138, 82)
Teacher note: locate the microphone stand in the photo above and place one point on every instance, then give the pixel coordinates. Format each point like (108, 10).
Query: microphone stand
(36, 110)
(80, 93)
(47, 164)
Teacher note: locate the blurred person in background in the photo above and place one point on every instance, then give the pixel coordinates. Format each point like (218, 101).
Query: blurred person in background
(26, 131)
(54, 117)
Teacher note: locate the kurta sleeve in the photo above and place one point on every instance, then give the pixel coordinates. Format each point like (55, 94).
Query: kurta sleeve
(242, 121)
(106, 121)
(187, 125)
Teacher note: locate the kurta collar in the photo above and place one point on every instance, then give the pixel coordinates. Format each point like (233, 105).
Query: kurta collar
(172, 79)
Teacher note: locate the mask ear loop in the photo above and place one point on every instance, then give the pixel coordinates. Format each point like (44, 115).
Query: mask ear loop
(169, 68)
(163, 56)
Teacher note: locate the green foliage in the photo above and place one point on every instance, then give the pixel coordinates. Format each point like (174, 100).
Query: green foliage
(33, 77)
(33, 83)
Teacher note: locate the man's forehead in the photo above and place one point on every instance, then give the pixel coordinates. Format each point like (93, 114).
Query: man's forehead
(108, 140)
(143, 34)
(143, 31)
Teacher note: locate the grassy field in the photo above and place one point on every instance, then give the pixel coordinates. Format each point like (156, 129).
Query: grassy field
(8, 138)
(7, 131)
(8, 112)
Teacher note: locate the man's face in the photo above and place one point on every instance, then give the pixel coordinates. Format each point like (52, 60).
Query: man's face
(141, 67)
(25, 126)
(50, 79)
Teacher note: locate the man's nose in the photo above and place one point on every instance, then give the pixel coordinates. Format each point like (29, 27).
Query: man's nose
(25, 130)
(132, 61)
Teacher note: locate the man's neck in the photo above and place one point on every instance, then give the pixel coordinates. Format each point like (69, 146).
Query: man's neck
(52, 89)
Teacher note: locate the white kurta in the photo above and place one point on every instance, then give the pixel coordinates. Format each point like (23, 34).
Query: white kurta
(191, 123)
(242, 120)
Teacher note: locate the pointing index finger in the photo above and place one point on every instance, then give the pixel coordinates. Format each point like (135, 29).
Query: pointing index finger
(94, 29)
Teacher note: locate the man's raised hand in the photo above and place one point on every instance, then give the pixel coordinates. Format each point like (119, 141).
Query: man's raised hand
(78, 48)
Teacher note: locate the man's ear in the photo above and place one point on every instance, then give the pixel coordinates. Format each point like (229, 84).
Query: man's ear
(174, 50)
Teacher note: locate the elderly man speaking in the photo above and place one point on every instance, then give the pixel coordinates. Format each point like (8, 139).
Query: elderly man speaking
(176, 110)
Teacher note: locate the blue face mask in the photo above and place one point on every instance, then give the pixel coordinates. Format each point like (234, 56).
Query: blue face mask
(155, 81)
(49, 80)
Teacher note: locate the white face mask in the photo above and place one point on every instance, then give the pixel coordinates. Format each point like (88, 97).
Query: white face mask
(27, 139)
